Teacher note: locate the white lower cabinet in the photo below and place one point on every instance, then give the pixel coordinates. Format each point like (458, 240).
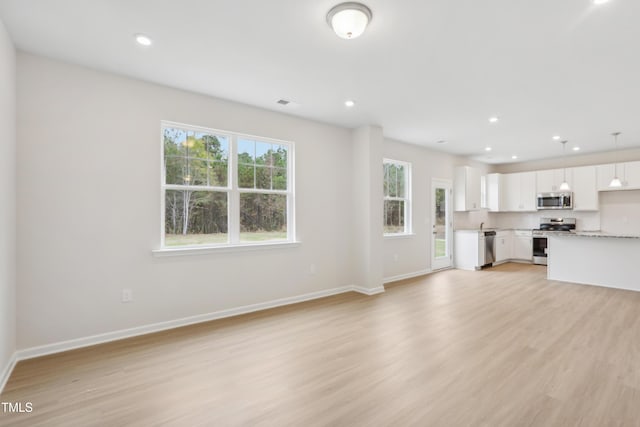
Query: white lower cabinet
(522, 245)
(468, 249)
(503, 245)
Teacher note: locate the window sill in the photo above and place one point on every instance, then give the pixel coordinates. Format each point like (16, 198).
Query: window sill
(399, 236)
(204, 250)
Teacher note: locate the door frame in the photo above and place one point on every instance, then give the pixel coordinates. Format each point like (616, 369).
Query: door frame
(447, 261)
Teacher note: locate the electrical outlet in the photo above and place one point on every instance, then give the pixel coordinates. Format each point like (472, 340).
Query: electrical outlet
(127, 295)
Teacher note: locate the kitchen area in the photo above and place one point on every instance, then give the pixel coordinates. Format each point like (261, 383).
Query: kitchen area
(586, 232)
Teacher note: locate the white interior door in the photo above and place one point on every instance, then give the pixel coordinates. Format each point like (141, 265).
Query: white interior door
(442, 224)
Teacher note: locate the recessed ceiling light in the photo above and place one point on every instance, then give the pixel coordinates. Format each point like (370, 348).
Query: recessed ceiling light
(514, 157)
(487, 149)
(493, 119)
(143, 40)
(576, 148)
(556, 138)
(349, 103)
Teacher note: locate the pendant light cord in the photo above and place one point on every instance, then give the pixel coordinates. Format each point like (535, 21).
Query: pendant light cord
(615, 157)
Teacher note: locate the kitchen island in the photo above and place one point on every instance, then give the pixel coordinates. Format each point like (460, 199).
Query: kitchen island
(595, 258)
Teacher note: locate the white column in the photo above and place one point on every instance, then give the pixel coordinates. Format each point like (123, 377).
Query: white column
(367, 208)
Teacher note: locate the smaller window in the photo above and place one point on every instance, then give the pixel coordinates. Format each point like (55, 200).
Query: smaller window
(397, 197)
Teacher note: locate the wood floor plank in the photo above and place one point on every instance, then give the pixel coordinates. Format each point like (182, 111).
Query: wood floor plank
(498, 347)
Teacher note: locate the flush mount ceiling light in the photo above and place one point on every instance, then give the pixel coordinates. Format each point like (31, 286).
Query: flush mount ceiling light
(576, 148)
(615, 182)
(493, 119)
(349, 20)
(487, 149)
(143, 40)
(349, 103)
(564, 186)
(556, 138)
(514, 157)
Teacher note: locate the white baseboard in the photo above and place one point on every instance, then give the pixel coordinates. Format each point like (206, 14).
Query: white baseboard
(406, 276)
(368, 291)
(6, 372)
(59, 347)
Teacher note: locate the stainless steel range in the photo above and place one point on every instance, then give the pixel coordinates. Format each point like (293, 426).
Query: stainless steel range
(549, 225)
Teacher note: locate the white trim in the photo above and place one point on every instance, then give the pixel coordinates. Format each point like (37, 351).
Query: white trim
(194, 250)
(442, 263)
(232, 189)
(406, 276)
(6, 373)
(43, 350)
(408, 197)
(367, 291)
(399, 236)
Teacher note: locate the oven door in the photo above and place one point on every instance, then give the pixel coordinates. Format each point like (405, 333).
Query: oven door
(540, 250)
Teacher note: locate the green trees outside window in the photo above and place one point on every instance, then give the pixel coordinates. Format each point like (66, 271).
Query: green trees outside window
(396, 183)
(214, 197)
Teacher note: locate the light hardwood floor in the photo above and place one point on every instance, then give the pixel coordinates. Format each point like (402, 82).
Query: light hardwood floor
(500, 347)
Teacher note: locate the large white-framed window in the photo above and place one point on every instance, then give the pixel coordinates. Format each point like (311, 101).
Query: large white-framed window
(397, 197)
(222, 189)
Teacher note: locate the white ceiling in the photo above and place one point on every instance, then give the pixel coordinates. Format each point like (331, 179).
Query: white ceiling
(425, 70)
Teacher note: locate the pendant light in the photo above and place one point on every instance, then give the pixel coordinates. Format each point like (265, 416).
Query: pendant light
(615, 182)
(565, 185)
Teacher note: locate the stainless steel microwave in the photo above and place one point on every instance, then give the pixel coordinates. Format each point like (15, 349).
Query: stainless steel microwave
(555, 201)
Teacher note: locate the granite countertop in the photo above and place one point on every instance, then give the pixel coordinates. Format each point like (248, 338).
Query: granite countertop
(599, 234)
(477, 230)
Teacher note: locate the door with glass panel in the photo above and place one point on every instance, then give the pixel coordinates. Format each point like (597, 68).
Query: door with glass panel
(441, 224)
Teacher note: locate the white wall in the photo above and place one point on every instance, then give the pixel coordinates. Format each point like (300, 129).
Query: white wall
(7, 200)
(414, 252)
(620, 212)
(89, 207)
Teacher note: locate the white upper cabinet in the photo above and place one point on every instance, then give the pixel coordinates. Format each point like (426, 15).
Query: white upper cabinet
(519, 192)
(548, 181)
(583, 183)
(628, 172)
(605, 174)
(632, 175)
(494, 189)
(466, 191)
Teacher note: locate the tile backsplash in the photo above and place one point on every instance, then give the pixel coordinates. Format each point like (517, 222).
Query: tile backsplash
(619, 214)
(528, 220)
(620, 211)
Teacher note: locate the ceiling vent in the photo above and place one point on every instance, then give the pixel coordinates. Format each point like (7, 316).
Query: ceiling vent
(283, 102)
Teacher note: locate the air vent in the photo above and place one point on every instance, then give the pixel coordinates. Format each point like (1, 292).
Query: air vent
(287, 103)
